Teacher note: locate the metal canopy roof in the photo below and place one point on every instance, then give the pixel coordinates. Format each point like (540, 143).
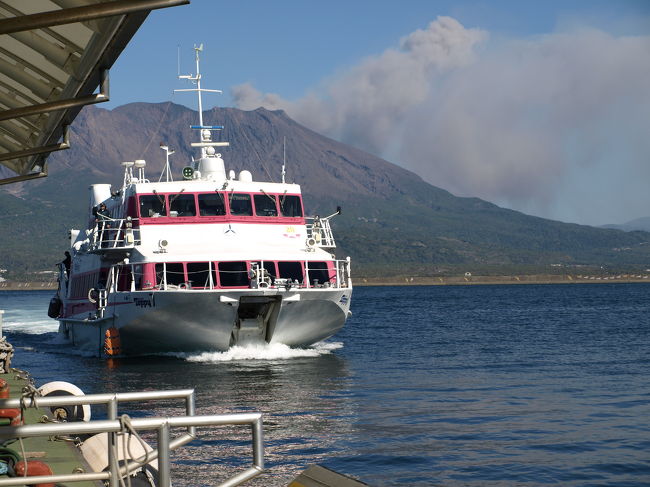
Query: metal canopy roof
(53, 56)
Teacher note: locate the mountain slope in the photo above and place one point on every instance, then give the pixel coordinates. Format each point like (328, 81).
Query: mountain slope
(392, 220)
(642, 224)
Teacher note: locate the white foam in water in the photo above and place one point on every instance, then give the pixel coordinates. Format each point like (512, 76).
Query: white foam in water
(274, 351)
(33, 327)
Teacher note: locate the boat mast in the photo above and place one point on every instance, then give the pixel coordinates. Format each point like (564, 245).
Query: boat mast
(196, 79)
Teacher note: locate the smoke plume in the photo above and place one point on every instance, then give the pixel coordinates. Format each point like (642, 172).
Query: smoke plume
(539, 124)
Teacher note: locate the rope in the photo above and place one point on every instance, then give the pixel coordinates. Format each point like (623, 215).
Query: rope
(29, 392)
(6, 354)
(250, 144)
(162, 119)
(22, 450)
(23, 375)
(126, 427)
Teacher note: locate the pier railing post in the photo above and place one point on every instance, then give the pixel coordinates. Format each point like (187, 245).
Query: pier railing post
(163, 456)
(113, 464)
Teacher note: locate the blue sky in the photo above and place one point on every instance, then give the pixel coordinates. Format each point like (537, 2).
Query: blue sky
(536, 106)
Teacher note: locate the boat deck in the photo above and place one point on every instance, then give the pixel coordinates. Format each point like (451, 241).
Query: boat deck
(60, 455)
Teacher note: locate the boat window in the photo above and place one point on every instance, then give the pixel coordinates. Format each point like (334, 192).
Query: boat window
(240, 204)
(182, 205)
(290, 205)
(124, 278)
(147, 273)
(152, 205)
(232, 274)
(160, 274)
(211, 204)
(136, 271)
(265, 205)
(198, 274)
(175, 274)
(290, 270)
(103, 278)
(318, 273)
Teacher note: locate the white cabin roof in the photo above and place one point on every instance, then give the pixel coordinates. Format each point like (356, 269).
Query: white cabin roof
(207, 186)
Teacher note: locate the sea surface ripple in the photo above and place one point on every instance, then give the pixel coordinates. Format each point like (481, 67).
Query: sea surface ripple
(426, 385)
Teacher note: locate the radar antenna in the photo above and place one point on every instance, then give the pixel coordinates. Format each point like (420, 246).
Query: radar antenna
(196, 80)
(167, 170)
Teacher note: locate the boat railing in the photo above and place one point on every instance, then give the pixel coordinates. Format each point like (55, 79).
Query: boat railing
(115, 233)
(319, 233)
(118, 468)
(257, 277)
(62, 279)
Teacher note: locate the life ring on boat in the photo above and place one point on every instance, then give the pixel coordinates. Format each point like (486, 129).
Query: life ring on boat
(65, 413)
(182, 285)
(93, 295)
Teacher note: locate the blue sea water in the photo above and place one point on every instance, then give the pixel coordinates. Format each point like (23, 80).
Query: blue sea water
(426, 385)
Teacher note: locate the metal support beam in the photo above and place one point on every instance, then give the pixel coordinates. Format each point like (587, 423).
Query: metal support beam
(82, 14)
(100, 97)
(26, 177)
(40, 150)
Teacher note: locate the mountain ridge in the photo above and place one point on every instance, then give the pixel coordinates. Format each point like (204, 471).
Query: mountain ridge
(392, 219)
(638, 224)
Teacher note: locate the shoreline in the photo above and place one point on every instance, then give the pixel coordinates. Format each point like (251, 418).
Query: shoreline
(490, 280)
(419, 281)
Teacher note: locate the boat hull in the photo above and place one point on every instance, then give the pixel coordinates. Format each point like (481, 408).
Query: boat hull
(194, 321)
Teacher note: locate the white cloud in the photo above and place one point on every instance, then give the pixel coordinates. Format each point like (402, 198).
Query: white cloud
(364, 105)
(517, 122)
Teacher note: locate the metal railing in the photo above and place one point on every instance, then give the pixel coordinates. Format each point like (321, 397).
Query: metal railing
(113, 426)
(117, 233)
(257, 277)
(319, 233)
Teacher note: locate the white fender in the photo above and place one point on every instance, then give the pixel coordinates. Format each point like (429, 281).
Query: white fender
(60, 388)
(94, 450)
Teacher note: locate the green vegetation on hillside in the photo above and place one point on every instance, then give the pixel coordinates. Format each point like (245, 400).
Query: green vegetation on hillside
(393, 223)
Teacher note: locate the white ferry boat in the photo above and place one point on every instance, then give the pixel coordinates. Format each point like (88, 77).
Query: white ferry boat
(204, 262)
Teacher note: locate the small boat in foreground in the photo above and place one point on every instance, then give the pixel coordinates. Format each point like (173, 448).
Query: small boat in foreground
(202, 263)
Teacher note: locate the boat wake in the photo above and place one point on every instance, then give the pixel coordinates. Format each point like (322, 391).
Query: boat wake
(275, 351)
(30, 327)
